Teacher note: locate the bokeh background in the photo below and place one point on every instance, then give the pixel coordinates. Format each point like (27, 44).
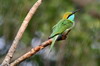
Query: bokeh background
(81, 48)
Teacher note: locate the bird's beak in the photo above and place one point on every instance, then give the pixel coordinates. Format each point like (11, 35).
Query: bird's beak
(75, 11)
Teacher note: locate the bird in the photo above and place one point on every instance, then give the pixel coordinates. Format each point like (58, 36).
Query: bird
(66, 23)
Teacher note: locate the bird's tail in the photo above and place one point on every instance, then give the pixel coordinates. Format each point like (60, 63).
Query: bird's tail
(53, 42)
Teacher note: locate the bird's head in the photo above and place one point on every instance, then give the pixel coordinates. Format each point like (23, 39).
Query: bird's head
(70, 15)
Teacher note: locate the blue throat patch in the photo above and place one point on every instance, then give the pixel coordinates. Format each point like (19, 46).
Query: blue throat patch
(71, 17)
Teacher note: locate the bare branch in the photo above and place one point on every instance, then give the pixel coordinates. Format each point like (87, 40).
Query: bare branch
(31, 52)
(36, 49)
(20, 33)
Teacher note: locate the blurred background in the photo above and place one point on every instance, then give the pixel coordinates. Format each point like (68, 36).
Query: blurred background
(81, 48)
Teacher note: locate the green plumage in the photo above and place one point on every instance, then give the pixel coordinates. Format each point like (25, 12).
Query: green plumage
(66, 23)
(61, 26)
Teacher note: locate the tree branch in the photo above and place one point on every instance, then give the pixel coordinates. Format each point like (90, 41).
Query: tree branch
(20, 33)
(38, 48)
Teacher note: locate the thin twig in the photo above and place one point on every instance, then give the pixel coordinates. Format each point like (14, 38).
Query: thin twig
(20, 33)
(36, 49)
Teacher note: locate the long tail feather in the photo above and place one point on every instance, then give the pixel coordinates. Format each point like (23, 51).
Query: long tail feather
(53, 42)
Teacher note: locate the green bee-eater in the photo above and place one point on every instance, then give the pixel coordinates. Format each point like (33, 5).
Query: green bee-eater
(66, 23)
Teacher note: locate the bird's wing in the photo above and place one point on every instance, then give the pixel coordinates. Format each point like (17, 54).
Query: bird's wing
(61, 26)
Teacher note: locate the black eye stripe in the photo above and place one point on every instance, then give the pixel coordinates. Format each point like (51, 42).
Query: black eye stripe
(69, 16)
(73, 13)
